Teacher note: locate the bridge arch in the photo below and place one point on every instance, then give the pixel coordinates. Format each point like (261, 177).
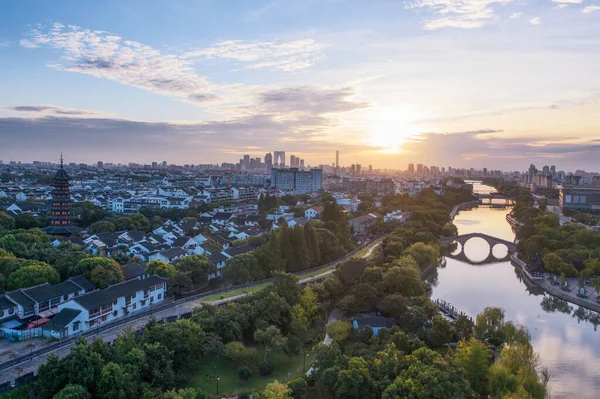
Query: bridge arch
(494, 255)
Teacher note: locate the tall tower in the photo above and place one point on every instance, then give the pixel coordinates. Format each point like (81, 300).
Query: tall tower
(61, 215)
(337, 160)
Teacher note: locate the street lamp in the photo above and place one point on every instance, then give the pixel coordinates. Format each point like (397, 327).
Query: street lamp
(304, 363)
(218, 379)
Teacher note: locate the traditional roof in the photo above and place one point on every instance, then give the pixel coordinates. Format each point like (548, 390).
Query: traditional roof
(83, 282)
(62, 319)
(61, 230)
(108, 295)
(181, 241)
(217, 258)
(133, 270)
(136, 235)
(45, 292)
(172, 253)
(376, 321)
(20, 298)
(223, 216)
(242, 249)
(61, 174)
(6, 303)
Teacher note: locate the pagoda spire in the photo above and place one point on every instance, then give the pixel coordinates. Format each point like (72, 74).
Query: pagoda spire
(61, 160)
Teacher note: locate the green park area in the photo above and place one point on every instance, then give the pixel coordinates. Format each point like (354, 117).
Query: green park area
(228, 371)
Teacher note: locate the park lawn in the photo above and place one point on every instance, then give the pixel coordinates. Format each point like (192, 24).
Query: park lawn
(228, 371)
(233, 293)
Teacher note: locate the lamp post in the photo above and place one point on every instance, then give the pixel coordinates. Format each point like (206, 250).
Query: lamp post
(304, 363)
(218, 379)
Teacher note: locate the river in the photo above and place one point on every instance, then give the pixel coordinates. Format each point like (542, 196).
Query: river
(564, 335)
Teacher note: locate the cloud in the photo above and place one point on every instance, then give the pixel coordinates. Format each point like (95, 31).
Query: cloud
(460, 148)
(590, 9)
(568, 1)
(193, 142)
(103, 55)
(515, 15)
(466, 14)
(284, 56)
(535, 21)
(309, 100)
(4, 43)
(45, 110)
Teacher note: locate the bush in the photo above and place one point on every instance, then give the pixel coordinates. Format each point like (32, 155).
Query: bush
(244, 395)
(244, 373)
(266, 368)
(298, 387)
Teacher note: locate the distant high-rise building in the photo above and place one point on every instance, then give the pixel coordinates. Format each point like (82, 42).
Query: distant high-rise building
(301, 182)
(358, 167)
(484, 171)
(531, 173)
(154, 165)
(164, 164)
(268, 158)
(370, 169)
(247, 160)
(553, 169)
(411, 168)
(546, 170)
(279, 160)
(292, 161)
(337, 159)
(353, 168)
(100, 165)
(302, 164)
(419, 168)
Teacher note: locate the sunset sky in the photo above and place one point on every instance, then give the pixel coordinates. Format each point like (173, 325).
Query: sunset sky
(462, 83)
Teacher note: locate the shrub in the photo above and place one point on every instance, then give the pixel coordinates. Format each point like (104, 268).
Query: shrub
(298, 387)
(266, 368)
(244, 373)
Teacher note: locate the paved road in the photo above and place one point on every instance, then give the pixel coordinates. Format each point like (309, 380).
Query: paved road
(110, 334)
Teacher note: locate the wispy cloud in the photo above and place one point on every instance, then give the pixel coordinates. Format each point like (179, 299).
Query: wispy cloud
(535, 21)
(285, 56)
(568, 1)
(457, 13)
(590, 9)
(103, 55)
(46, 110)
(515, 15)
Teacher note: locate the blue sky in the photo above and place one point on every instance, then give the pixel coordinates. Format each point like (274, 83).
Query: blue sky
(466, 83)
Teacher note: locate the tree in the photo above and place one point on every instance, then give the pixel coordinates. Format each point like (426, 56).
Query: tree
(83, 366)
(372, 276)
(181, 283)
(100, 271)
(555, 264)
(241, 269)
(474, 357)
(366, 297)
(518, 371)
(101, 226)
(276, 390)
(464, 327)
(73, 391)
(115, 383)
(268, 260)
(403, 280)
(394, 306)
(393, 248)
(6, 222)
(327, 356)
(351, 270)
(312, 243)
(440, 333)
(355, 381)
(489, 326)
(213, 345)
(187, 393)
(299, 388)
(158, 369)
(183, 337)
(286, 286)
(236, 351)
(199, 266)
(271, 338)
(161, 268)
(244, 373)
(51, 377)
(29, 276)
(424, 254)
(27, 221)
(301, 256)
(339, 330)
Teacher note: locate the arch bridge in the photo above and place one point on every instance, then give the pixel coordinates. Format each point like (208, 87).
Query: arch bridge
(491, 241)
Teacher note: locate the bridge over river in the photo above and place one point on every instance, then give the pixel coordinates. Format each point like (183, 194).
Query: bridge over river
(493, 242)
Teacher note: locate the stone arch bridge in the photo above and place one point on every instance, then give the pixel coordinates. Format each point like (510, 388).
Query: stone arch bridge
(492, 242)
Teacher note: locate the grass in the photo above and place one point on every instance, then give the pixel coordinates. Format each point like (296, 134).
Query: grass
(228, 371)
(363, 252)
(233, 293)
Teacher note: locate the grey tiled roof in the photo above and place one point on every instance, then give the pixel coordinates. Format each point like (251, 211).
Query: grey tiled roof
(6, 303)
(62, 319)
(83, 282)
(20, 298)
(108, 295)
(46, 291)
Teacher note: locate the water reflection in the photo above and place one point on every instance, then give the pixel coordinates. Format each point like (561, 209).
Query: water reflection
(564, 335)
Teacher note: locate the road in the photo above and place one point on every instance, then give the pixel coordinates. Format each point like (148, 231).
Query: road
(108, 334)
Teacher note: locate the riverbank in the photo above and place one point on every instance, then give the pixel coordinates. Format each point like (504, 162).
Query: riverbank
(570, 296)
(461, 206)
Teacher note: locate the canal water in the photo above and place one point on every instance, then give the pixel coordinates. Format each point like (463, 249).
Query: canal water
(564, 335)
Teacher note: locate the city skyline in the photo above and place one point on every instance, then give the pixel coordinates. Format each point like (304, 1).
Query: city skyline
(386, 84)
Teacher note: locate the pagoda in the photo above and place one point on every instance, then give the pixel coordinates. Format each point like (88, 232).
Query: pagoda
(61, 215)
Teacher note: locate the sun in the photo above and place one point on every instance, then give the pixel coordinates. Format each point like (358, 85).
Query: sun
(389, 128)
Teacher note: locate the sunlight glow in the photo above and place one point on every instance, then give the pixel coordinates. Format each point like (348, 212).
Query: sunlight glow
(390, 127)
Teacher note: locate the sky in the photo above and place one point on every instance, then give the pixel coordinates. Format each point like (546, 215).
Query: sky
(461, 83)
